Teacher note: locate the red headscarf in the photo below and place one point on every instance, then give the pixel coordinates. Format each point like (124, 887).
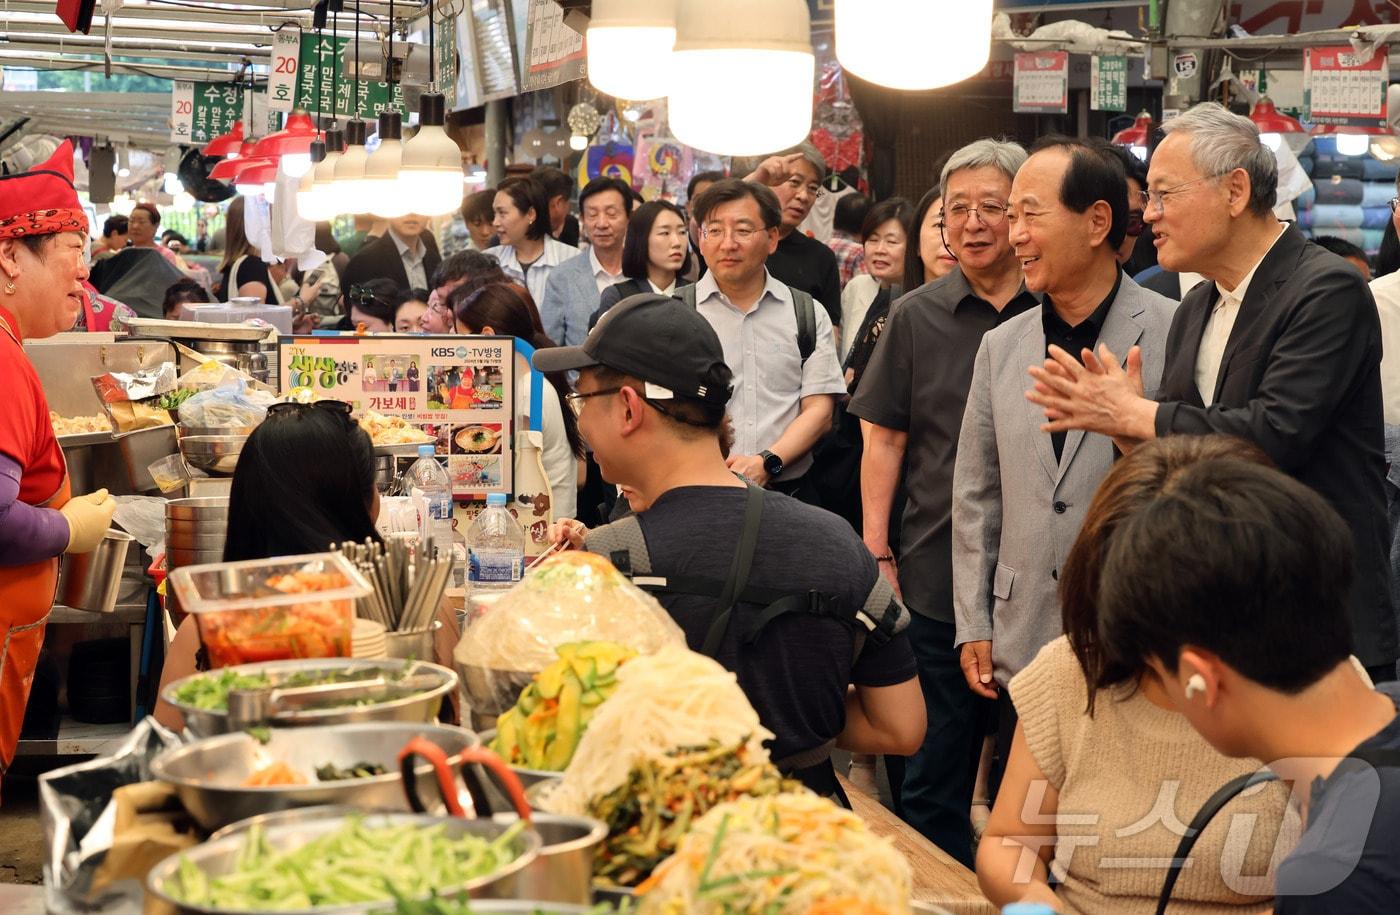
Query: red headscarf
(43, 200)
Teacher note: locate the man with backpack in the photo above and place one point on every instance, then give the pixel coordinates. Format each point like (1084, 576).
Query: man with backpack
(776, 340)
(781, 593)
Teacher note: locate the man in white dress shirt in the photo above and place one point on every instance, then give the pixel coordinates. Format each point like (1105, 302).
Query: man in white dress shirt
(783, 399)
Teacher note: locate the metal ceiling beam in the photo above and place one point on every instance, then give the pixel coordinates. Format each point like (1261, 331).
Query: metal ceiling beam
(109, 101)
(173, 28)
(1382, 34)
(17, 58)
(71, 49)
(169, 41)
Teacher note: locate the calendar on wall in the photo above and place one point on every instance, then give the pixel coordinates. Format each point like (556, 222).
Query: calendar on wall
(1341, 86)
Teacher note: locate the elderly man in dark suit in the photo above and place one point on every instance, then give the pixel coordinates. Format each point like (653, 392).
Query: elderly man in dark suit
(405, 254)
(1282, 347)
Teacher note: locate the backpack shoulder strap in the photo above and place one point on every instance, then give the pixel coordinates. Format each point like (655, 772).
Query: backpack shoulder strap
(687, 295)
(805, 308)
(623, 544)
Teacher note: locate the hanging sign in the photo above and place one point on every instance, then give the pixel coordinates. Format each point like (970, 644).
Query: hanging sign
(1343, 87)
(323, 60)
(1041, 83)
(446, 28)
(199, 112)
(460, 390)
(554, 53)
(283, 68)
(1108, 83)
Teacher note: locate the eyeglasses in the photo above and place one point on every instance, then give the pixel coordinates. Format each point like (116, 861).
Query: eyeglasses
(1158, 199)
(741, 234)
(293, 408)
(795, 184)
(1394, 202)
(1135, 226)
(990, 213)
(575, 399)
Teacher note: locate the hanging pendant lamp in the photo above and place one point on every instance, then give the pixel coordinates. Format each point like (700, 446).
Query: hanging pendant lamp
(316, 201)
(913, 44)
(757, 59)
(1137, 136)
(225, 145)
(430, 171)
(629, 47)
(382, 169)
(227, 169)
(291, 144)
(1273, 124)
(349, 185)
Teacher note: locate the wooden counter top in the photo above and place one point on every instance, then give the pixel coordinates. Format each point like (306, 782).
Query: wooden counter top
(938, 879)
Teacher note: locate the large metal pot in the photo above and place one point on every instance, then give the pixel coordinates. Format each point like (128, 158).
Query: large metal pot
(563, 872)
(419, 708)
(216, 858)
(92, 581)
(208, 774)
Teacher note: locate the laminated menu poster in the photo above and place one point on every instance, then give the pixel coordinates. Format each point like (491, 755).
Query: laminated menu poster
(457, 391)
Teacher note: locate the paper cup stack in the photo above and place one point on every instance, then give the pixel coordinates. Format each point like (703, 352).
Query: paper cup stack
(368, 641)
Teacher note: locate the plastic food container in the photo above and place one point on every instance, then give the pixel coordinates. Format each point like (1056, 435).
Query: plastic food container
(272, 609)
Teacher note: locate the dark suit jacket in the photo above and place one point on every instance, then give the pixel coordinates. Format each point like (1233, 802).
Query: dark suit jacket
(1301, 379)
(380, 260)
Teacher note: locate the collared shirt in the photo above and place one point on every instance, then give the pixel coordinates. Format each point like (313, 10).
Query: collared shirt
(1218, 327)
(601, 276)
(770, 379)
(1074, 339)
(669, 290)
(412, 260)
(917, 382)
(535, 274)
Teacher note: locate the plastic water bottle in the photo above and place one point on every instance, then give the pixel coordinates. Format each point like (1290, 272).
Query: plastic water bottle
(1026, 908)
(428, 479)
(495, 546)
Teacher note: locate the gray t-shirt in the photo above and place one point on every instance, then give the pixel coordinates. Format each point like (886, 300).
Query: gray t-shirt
(917, 382)
(797, 671)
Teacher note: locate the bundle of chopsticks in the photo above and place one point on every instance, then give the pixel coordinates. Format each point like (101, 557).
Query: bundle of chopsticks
(408, 584)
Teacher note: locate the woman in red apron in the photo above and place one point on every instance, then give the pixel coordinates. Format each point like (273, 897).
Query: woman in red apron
(43, 247)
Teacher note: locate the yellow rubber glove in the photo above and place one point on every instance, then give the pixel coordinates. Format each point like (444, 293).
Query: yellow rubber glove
(88, 518)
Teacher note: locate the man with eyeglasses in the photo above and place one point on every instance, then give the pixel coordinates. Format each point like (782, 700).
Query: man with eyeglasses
(457, 269)
(777, 341)
(910, 403)
(1282, 347)
(1019, 495)
(808, 626)
(801, 262)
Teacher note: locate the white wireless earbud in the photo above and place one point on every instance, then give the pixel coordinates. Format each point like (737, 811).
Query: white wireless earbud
(1195, 684)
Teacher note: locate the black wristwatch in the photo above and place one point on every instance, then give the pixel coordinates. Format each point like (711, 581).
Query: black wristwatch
(772, 464)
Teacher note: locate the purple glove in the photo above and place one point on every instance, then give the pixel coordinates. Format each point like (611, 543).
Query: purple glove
(27, 534)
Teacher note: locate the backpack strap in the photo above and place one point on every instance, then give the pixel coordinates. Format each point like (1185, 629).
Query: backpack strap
(687, 295)
(738, 572)
(805, 309)
(624, 545)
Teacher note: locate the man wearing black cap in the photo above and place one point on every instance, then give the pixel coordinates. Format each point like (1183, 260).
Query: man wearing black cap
(781, 593)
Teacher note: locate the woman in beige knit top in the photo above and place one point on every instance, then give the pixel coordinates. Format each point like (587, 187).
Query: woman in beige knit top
(1103, 775)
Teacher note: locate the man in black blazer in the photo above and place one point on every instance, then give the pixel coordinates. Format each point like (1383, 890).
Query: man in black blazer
(407, 254)
(1281, 348)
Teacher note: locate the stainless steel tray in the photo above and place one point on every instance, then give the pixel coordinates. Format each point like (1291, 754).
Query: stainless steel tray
(420, 707)
(194, 330)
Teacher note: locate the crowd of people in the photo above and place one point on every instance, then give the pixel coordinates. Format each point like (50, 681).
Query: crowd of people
(1061, 497)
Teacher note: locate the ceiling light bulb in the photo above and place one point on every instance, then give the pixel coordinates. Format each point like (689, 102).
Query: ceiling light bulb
(1353, 144)
(913, 44)
(578, 142)
(349, 182)
(296, 164)
(385, 195)
(1271, 140)
(629, 47)
(726, 48)
(430, 171)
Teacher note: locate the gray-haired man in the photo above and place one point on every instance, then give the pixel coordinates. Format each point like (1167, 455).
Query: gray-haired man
(910, 403)
(1283, 348)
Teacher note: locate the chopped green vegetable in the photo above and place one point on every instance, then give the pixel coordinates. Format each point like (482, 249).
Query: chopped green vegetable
(210, 692)
(355, 863)
(454, 905)
(172, 399)
(332, 773)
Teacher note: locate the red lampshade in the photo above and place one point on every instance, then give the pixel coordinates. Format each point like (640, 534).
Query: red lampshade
(225, 143)
(227, 169)
(262, 171)
(293, 139)
(1136, 135)
(1270, 120)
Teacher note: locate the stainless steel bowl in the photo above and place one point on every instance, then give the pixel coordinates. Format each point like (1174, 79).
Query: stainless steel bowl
(205, 509)
(217, 454)
(176, 556)
(204, 542)
(216, 858)
(527, 777)
(208, 774)
(214, 430)
(563, 872)
(491, 692)
(420, 707)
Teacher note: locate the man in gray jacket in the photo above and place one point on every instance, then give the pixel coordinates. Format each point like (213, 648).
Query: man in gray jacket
(1019, 494)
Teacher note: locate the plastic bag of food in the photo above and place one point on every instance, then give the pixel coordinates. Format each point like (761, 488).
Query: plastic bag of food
(130, 398)
(233, 406)
(570, 597)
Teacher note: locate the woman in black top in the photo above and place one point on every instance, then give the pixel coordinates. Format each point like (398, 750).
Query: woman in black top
(246, 275)
(655, 255)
